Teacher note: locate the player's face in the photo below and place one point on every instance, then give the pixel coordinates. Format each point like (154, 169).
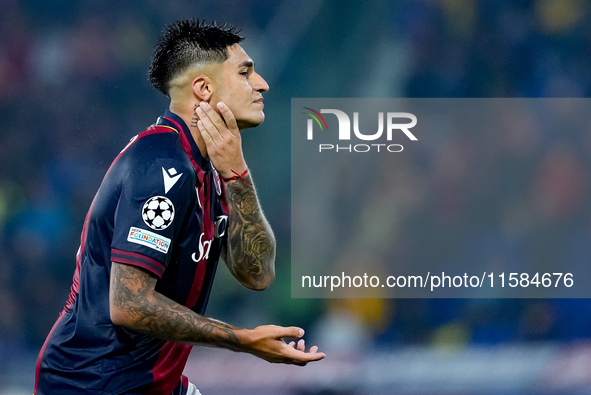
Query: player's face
(241, 88)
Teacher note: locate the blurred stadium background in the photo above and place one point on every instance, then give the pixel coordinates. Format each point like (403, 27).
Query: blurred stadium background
(73, 90)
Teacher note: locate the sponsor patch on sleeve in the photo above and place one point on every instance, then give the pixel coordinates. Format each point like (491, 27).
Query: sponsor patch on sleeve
(148, 239)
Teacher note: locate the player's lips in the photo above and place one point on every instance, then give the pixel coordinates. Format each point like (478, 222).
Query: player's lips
(259, 101)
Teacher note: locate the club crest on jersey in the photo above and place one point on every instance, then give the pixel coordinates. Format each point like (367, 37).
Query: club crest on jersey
(217, 182)
(158, 212)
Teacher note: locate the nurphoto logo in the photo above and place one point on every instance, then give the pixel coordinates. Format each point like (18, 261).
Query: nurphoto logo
(397, 123)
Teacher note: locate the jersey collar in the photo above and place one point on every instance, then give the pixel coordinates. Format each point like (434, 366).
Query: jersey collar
(172, 120)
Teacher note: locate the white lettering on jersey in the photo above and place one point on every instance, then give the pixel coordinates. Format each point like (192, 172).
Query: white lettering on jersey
(220, 225)
(204, 247)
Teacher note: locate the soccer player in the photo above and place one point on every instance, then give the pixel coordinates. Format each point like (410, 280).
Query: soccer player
(175, 199)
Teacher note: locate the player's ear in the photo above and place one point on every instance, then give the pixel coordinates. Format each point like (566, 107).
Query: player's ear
(202, 87)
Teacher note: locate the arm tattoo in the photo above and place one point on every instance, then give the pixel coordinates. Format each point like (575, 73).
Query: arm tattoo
(132, 292)
(250, 252)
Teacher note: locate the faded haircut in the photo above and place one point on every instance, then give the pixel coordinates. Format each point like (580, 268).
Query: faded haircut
(186, 43)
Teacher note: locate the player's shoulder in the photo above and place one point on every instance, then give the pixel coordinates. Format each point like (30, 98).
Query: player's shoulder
(155, 160)
(155, 142)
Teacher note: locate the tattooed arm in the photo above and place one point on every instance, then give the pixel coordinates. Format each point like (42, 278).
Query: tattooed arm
(135, 305)
(250, 249)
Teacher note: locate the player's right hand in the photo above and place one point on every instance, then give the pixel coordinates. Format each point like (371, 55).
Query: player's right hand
(267, 342)
(222, 139)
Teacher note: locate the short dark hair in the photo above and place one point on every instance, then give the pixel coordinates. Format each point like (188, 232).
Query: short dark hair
(187, 42)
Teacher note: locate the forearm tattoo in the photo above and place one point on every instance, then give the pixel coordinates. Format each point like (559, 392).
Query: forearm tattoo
(132, 292)
(251, 244)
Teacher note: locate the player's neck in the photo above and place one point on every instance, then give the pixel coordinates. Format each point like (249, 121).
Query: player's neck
(187, 113)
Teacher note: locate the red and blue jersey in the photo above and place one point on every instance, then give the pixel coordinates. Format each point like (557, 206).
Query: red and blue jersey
(160, 207)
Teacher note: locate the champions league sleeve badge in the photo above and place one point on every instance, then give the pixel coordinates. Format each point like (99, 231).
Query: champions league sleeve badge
(158, 212)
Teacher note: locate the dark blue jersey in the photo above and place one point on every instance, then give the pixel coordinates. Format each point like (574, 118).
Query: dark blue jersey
(160, 207)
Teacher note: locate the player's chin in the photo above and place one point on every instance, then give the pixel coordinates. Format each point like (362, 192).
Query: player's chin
(251, 122)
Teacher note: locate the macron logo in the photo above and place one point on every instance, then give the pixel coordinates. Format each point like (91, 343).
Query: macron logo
(170, 178)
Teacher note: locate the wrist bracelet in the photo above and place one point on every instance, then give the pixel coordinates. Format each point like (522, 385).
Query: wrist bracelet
(237, 176)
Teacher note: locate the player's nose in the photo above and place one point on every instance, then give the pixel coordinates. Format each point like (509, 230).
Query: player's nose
(259, 84)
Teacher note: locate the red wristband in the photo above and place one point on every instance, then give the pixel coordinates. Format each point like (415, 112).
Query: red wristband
(237, 176)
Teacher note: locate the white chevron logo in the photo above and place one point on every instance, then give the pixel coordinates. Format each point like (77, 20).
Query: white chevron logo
(170, 178)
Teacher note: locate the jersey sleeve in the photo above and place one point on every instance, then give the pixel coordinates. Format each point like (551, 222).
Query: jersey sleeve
(151, 208)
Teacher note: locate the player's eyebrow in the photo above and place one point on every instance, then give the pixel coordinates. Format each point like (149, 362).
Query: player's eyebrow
(246, 63)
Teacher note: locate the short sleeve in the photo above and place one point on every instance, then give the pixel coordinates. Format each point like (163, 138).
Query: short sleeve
(151, 207)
